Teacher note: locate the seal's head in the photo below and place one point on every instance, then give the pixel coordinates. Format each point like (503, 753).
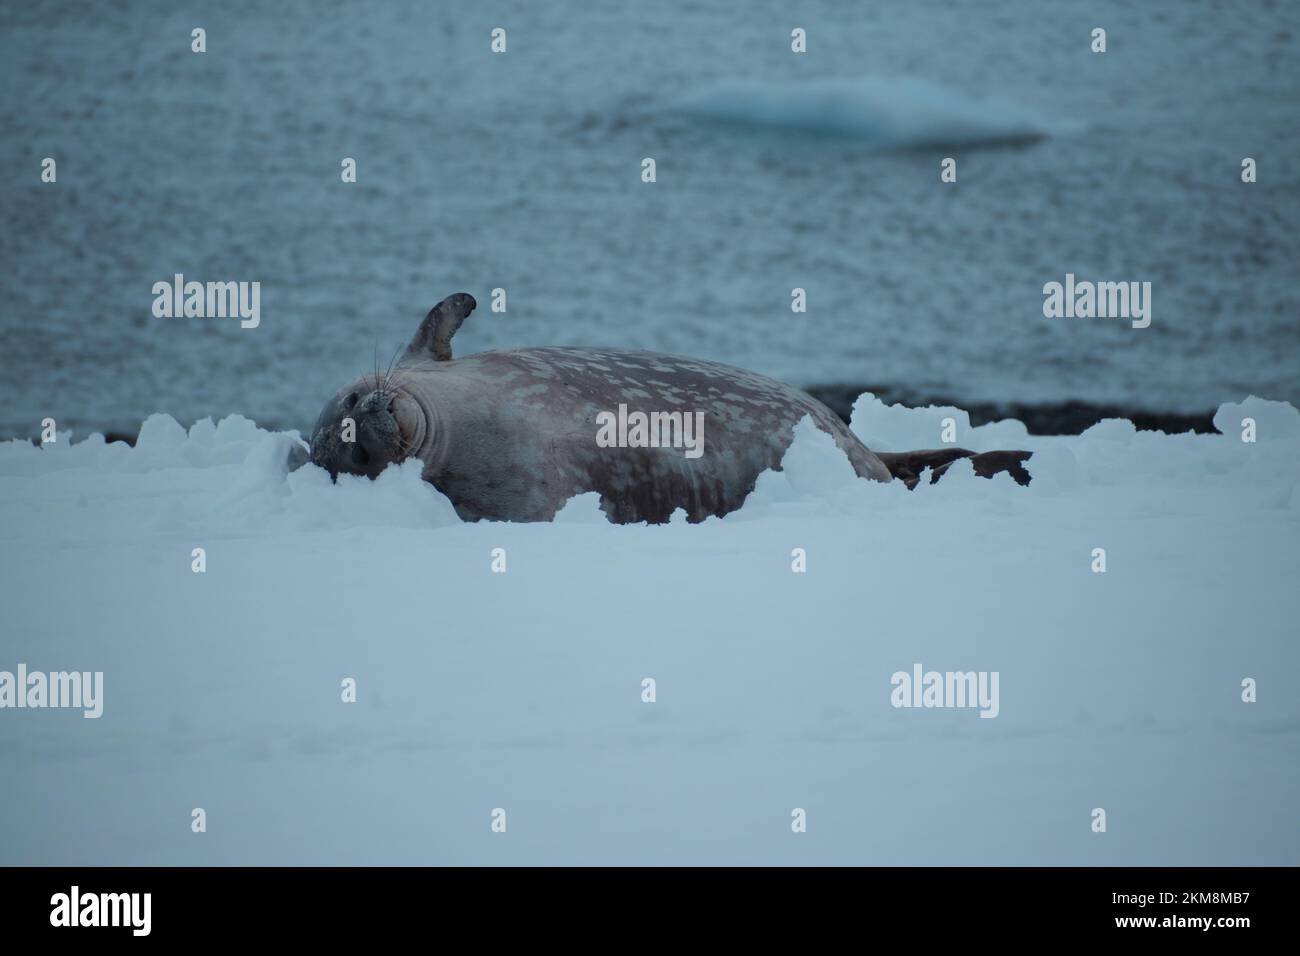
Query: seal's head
(376, 420)
(367, 425)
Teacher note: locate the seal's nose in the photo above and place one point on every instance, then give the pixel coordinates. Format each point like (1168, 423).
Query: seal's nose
(377, 401)
(377, 430)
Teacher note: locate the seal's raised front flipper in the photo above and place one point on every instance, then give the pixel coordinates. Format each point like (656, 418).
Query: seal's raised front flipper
(433, 338)
(908, 465)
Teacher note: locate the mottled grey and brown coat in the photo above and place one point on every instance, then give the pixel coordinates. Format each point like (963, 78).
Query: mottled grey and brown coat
(511, 434)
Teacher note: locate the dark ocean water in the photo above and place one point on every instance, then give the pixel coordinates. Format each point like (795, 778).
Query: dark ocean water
(522, 171)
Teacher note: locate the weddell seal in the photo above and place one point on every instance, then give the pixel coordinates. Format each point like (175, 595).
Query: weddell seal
(514, 434)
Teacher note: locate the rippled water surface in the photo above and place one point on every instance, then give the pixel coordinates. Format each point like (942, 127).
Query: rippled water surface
(522, 171)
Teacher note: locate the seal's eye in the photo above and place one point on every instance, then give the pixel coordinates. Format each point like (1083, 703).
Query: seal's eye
(351, 401)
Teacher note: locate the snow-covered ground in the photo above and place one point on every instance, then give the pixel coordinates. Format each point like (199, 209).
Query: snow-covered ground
(522, 690)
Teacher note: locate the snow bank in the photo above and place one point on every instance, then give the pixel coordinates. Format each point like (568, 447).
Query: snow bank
(523, 690)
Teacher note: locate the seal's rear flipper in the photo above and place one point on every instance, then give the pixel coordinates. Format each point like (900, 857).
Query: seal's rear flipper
(433, 338)
(908, 465)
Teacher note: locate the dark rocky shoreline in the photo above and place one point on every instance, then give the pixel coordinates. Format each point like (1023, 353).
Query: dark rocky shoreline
(1053, 418)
